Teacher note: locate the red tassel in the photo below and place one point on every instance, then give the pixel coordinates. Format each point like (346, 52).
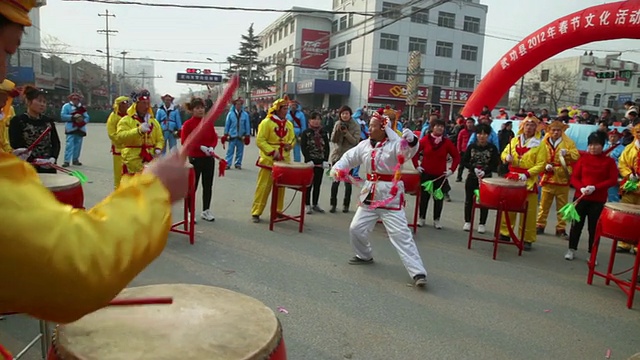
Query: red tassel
(222, 166)
(146, 157)
(512, 176)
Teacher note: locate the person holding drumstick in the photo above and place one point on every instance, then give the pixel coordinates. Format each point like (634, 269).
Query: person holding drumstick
(140, 134)
(526, 160)
(629, 166)
(90, 256)
(7, 93)
(26, 128)
(275, 140)
(120, 106)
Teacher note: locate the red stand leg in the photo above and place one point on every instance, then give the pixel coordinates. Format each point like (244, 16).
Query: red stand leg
(415, 213)
(473, 216)
(496, 230)
(277, 217)
(594, 254)
(275, 190)
(188, 222)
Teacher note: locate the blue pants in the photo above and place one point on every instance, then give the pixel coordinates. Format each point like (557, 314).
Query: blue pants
(168, 137)
(72, 148)
(614, 196)
(235, 147)
(297, 153)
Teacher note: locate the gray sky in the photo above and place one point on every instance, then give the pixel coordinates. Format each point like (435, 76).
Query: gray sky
(194, 35)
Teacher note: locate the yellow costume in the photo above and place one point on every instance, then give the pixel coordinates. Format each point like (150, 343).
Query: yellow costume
(74, 261)
(112, 128)
(528, 158)
(628, 165)
(137, 148)
(7, 114)
(555, 183)
(273, 135)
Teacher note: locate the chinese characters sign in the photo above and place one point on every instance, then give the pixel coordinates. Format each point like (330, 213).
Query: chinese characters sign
(198, 78)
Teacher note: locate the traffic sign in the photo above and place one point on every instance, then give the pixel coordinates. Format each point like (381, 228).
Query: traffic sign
(606, 74)
(198, 78)
(625, 74)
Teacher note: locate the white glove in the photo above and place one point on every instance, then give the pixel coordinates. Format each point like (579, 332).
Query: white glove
(22, 153)
(44, 162)
(590, 189)
(144, 128)
(583, 191)
(326, 165)
(479, 173)
(563, 152)
(633, 177)
(420, 169)
(408, 135)
(522, 177)
(310, 163)
(509, 158)
(549, 168)
(158, 151)
(448, 173)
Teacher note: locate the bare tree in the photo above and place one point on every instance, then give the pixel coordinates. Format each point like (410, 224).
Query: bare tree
(550, 88)
(51, 45)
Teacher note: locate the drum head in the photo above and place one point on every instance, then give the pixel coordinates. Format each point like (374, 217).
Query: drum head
(202, 323)
(504, 182)
(292, 165)
(55, 182)
(627, 208)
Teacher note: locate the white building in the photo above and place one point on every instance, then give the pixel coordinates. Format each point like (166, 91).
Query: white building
(588, 92)
(449, 35)
(29, 55)
(140, 73)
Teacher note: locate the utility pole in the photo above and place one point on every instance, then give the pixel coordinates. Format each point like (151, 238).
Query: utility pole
(108, 33)
(453, 94)
(124, 53)
(144, 76)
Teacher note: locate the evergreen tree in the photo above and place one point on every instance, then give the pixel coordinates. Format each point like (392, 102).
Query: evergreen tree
(247, 58)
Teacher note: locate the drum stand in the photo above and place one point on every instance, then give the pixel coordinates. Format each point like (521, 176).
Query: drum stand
(628, 287)
(188, 223)
(502, 209)
(44, 337)
(414, 224)
(276, 217)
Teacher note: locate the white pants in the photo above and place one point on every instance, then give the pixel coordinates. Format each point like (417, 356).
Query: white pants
(395, 222)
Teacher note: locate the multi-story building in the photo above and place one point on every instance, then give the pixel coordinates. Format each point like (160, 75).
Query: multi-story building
(371, 53)
(27, 65)
(139, 73)
(572, 81)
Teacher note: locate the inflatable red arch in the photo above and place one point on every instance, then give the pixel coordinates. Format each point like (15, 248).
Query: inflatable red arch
(619, 20)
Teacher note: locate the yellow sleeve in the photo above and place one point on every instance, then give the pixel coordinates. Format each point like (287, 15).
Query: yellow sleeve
(127, 131)
(626, 161)
(12, 112)
(507, 150)
(59, 263)
(112, 127)
(156, 135)
(540, 162)
(263, 136)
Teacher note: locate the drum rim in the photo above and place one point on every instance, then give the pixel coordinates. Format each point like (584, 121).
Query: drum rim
(504, 182)
(74, 184)
(270, 347)
(613, 206)
(291, 165)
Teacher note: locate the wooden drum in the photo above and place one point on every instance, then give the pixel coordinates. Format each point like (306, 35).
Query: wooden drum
(621, 221)
(502, 193)
(292, 174)
(203, 322)
(411, 179)
(67, 189)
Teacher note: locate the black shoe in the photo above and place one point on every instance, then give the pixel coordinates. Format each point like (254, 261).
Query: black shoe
(345, 209)
(77, 163)
(505, 238)
(539, 230)
(527, 246)
(447, 198)
(562, 234)
(66, 164)
(255, 219)
(458, 180)
(333, 209)
(357, 261)
(420, 280)
(238, 167)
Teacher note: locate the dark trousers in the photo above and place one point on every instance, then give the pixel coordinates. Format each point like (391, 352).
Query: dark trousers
(205, 167)
(347, 192)
(470, 185)
(460, 167)
(592, 210)
(318, 173)
(425, 196)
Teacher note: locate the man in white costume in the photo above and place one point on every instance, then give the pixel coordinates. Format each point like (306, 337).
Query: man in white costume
(378, 157)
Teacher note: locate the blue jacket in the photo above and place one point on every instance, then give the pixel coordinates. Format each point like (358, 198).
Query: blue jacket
(364, 128)
(65, 115)
(425, 129)
(235, 128)
(172, 122)
(493, 139)
(615, 153)
(303, 121)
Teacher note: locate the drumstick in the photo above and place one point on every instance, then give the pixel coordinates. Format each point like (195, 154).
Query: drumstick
(196, 136)
(141, 301)
(35, 143)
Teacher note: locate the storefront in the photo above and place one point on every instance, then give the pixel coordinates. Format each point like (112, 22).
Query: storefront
(382, 94)
(263, 98)
(458, 99)
(321, 93)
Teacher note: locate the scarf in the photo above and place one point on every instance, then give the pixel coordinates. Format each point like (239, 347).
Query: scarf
(435, 141)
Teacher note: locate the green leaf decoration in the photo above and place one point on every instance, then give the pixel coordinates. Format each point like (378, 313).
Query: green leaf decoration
(630, 186)
(476, 192)
(569, 213)
(438, 194)
(80, 176)
(428, 186)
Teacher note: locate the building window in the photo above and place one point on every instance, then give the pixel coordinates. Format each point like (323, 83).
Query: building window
(292, 26)
(286, 30)
(391, 10)
(290, 51)
(446, 19)
(289, 75)
(280, 34)
(471, 24)
(611, 102)
(342, 49)
(614, 82)
(542, 97)
(584, 76)
(627, 83)
(417, 44)
(467, 81)
(389, 42)
(332, 52)
(582, 99)
(421, 75)
(469, 53)
(340, 75)
(332, 74)
(348, 47)
(334, 27)
(419, 16)
(350, 20)
(544, 75)
(442, 78)
(444, 49)
(387, 72)
(347, 74)
(596, 100)
(343, 22)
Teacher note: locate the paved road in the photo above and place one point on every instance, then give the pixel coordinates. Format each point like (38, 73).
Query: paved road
(537, 306)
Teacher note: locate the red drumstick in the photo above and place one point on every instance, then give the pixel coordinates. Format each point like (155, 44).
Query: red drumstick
(142, 301)
(196, 136)
(35, 143)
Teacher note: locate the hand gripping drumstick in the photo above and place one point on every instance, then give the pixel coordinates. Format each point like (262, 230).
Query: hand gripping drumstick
(196, 137)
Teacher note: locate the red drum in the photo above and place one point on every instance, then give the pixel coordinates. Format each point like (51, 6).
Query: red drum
(203, 322)
(502, 193)
(292, 174)
(621, 221)
(65, 188)
(411, 179)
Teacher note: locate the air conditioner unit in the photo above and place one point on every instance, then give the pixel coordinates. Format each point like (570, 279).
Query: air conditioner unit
(630, 66)
(601, 62)
(615, 64)
(40, 3)
(586, 60)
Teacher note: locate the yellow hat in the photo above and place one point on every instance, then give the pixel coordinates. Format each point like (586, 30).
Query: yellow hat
(118, 101)
(17, 10)
(7, 85)
(530, 118)
(557, 124)
(277, 105)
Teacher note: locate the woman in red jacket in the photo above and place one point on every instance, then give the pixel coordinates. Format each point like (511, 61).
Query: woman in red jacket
(593, 175)
(435, 149)
(201, 158)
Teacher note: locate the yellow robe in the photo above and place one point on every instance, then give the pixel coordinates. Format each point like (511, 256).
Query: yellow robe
(268, 143)
(555, 185)
(131, 140)
(116, 148)
(58, 263)
(9, 113)
(628, 165)
(533, 162)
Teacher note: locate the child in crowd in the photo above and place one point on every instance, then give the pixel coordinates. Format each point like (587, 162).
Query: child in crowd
(314, 144)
